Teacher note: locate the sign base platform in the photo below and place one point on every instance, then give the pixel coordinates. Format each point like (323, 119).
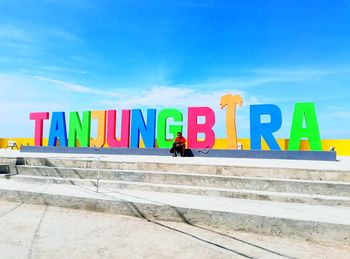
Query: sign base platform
(223, 153)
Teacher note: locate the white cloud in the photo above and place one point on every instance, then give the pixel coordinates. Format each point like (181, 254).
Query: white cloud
(31, 42)
(66, 69)
(265, 76)
(34, 34)
(69, 86)
(263, 80)
(12, 32)
(78, 88)
(65, 35)
(25, 94)
(301, 72)
(342, 114)
(20, 96)
(184, 96)
(170, 96)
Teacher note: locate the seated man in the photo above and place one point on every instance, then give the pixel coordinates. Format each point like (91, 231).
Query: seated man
(179, 145)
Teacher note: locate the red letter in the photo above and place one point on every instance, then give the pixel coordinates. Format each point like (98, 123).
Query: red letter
(194, 128)
(39, 118)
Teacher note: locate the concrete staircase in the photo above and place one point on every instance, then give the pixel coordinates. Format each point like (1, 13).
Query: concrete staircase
(287, 202)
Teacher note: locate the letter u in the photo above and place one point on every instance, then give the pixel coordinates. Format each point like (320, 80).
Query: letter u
(112, 140)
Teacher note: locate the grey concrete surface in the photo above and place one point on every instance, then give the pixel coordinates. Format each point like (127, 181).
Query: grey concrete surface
(191, 190)
(179, 168)
(228, 182)
(343, 162)
(256, 154)
(32, 231)
(313, 222)
(233, 182)
(334, 215)
(195, 190)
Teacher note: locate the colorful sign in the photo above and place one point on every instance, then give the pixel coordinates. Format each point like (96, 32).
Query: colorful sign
(153, 131)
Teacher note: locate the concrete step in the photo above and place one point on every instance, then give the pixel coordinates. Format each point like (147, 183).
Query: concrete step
(313, 222)
(186, 189)
(183, 166)
(331, 188)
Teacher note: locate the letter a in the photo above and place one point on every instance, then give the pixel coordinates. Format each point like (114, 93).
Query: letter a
(310, 132)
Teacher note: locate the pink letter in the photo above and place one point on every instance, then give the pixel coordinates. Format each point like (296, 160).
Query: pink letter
(194, 128)
(112, 140)
(39, 118)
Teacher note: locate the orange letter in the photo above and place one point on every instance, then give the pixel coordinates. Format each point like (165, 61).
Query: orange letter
(100, 116)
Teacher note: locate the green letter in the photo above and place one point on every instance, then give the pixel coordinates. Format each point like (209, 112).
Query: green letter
(310, 132)
(78, 130)
(163, 117)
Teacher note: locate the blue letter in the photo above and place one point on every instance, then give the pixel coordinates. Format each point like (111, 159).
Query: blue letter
(58, 129)
(265, 130)
(138, 127)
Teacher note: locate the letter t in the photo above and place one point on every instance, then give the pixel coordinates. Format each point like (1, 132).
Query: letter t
(39, 118)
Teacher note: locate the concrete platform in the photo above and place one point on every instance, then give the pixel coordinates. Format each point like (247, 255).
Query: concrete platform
(195, 190)
(221, 153)
(342, 163)
(274, 197)
(116, 177)
(274, 218)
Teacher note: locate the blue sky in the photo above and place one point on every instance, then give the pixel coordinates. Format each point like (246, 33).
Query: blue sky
(67, 55)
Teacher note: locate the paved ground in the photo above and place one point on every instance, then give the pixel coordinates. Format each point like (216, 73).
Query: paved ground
(296, 211)
(32, 231)
(343, 162)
